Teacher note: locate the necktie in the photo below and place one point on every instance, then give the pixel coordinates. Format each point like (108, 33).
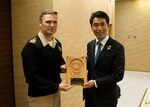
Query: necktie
(98, 52)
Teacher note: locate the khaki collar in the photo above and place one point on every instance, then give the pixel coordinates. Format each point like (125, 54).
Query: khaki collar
(44, 40)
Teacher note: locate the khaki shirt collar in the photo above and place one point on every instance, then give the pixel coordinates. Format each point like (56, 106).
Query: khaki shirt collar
(44, 40)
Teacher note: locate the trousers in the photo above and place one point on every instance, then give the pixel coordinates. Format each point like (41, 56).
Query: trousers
(52, 100)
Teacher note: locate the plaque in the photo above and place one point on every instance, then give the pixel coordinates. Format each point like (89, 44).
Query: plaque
(76, 70)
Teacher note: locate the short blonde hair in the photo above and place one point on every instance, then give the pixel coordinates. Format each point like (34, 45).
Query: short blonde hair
(47, 11)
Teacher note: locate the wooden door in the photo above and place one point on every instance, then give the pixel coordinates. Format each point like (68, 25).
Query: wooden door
(6, 68)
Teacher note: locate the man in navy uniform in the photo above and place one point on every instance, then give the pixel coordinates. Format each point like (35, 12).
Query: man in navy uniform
(43, 62)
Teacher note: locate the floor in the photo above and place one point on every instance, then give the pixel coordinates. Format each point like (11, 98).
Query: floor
(133, 87)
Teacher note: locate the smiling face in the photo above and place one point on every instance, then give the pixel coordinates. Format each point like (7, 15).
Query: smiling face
(100, 28)
(48, 24)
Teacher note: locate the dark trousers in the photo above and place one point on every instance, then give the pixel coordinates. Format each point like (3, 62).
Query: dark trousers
(89, 102)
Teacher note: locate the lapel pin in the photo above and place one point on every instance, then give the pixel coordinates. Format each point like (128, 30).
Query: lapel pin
(108, 47)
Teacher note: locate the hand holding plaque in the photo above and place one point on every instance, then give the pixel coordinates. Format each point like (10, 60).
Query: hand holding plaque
(76, 70)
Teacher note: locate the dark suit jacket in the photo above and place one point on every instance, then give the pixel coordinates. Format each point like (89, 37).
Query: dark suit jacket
(109, 70)
(41, 67)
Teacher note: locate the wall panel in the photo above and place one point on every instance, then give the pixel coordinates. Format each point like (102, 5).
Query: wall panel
(133, 30)
(74, 29)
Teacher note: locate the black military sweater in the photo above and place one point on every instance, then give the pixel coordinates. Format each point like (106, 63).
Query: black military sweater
(41, 67)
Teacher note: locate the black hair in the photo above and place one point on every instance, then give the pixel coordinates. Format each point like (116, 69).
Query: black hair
(99, 14)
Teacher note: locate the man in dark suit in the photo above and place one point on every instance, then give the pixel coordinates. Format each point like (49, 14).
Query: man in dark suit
(105, 64)
(43, 63)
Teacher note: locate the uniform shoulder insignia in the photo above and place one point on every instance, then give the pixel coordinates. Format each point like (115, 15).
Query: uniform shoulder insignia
(32, 40)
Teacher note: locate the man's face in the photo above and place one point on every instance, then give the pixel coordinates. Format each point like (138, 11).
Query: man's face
(48, 24)
(100, 28)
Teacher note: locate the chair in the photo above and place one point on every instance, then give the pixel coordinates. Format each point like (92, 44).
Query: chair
(145, 102)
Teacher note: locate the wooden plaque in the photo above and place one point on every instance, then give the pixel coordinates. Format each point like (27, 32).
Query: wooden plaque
(76, 70)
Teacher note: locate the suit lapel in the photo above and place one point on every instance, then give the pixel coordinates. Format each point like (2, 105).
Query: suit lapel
(92, 52)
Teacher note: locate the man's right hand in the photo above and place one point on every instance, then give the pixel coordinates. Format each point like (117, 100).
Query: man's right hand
(64, 87)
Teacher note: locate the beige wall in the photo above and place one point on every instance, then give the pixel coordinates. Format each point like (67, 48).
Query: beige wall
(74, 29)
(25, 15)
(133, 30)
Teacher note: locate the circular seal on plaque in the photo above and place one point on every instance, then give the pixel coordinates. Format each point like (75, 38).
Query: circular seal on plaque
(76, 67)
